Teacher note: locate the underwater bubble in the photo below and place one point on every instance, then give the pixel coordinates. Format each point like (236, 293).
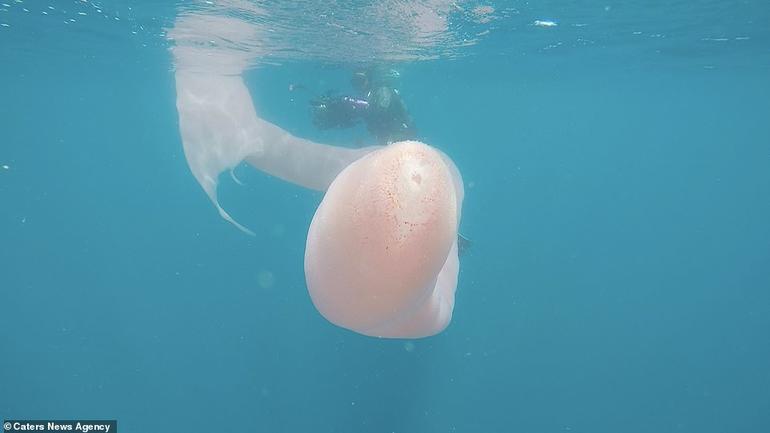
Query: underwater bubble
(544, 23)
(265, 279)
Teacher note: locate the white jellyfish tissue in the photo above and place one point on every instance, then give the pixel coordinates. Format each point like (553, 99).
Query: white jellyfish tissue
(381, 253)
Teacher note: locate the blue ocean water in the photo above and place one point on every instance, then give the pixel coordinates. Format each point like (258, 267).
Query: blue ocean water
(617, 175)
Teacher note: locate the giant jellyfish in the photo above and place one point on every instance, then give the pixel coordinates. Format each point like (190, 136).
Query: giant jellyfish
(381, 255)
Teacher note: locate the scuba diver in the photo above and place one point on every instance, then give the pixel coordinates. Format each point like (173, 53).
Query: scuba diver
(378, 104)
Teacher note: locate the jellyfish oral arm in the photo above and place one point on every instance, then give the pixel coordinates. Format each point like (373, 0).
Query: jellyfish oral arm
(220, 128)
(299, 161)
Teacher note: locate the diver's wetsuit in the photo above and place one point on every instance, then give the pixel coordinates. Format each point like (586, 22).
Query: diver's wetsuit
(386, 116)
(381, 108)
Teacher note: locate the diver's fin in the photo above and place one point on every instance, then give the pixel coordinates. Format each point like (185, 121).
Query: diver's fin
(463, 244)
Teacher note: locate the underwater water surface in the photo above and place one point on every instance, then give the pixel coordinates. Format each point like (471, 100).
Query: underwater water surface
(616, 162)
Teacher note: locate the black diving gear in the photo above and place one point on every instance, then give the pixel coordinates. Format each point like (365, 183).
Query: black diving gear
(337, 111)
(380, 107)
